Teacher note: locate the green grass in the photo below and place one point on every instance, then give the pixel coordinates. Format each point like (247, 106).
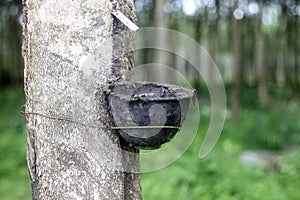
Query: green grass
(219, 176)
(14, 179)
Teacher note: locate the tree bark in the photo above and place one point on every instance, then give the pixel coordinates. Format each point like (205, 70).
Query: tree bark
(72, 51)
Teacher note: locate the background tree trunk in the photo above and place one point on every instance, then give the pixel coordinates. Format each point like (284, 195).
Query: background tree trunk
(236, 48)
(259, 57)
(72, 50)
(162, 57)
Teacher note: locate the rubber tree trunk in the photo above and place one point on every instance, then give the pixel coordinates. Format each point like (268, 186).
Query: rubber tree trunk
(72, 50)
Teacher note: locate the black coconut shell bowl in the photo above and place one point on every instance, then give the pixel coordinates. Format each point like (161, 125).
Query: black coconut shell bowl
(148, 114)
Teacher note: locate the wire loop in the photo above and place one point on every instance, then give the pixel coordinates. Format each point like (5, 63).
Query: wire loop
(84, 124)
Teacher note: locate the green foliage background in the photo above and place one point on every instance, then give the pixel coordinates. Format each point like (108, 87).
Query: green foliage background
(14, 179)
(221, 175)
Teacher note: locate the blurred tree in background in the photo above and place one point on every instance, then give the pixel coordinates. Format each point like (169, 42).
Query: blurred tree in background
(11, 61)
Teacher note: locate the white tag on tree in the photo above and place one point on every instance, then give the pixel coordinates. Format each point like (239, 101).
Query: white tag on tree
(125, 20)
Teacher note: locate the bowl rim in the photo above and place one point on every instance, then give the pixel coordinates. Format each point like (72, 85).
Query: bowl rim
(180, 92)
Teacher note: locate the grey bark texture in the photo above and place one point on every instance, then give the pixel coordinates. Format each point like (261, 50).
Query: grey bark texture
(72, 51)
